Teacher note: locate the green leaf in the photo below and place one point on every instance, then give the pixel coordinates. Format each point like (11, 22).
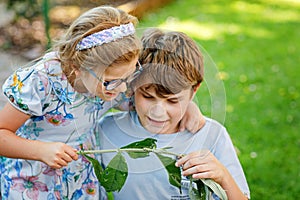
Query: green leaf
(115, 174)
(97, 167)
(173, 171)
(195, 194)
(216, 188)
(146, 143)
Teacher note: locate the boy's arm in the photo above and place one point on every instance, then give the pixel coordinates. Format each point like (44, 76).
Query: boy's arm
(193, 120)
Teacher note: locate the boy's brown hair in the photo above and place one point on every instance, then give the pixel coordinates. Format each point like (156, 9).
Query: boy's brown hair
(172, 62)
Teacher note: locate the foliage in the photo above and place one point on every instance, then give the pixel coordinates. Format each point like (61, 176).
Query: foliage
(113, 177)
(30, 9)
(25, 8)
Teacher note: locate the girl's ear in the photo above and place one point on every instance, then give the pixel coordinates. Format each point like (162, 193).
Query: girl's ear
(77, 72)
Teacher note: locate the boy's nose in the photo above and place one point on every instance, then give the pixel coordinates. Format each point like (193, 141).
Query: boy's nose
(157, 110)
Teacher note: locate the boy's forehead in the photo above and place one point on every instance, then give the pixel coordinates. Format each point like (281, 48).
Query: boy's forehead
(153, 90)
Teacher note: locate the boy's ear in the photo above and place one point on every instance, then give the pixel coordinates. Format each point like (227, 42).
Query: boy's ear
(195, 89)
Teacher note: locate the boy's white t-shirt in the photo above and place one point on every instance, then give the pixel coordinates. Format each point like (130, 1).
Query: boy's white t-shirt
(147, 177)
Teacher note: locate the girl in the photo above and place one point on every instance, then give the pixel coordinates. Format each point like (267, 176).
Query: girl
(54, 102)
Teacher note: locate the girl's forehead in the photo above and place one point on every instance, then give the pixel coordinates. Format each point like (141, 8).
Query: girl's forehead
(121, 70)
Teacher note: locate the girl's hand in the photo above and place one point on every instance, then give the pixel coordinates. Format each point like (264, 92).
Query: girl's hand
(57, 154)
(193, 120)
(203, 165)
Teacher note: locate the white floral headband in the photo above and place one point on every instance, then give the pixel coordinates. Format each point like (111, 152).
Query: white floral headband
(106, 36)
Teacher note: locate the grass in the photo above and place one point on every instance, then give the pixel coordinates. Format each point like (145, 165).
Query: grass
(254, 47)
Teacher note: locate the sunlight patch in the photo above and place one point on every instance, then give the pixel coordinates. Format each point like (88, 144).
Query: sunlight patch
(192, 28)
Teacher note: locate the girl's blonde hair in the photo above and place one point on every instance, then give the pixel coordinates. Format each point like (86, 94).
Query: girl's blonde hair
(172, 61)
(117, 52)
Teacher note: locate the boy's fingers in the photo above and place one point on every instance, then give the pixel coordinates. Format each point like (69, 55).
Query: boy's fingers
(181, 161)
(196, 154)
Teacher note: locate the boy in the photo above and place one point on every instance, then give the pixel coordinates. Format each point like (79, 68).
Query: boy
(173, 71)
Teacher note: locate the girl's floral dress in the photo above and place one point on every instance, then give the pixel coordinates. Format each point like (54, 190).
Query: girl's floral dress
(58, 114)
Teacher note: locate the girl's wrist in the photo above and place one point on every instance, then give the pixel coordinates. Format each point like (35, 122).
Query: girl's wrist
(37, 150)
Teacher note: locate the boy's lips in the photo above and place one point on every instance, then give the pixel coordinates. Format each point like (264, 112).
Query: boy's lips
(157, 122)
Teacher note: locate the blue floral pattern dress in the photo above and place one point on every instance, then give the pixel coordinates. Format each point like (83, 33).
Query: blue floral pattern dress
(58, 113)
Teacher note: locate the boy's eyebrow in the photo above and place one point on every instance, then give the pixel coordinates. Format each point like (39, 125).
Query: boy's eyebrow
(175, 98)
(169, 98)
(145, 91)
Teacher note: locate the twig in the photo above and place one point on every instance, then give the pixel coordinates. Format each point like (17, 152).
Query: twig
(137, 150)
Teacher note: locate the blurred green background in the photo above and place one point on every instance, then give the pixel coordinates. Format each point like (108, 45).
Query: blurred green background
(252, 52)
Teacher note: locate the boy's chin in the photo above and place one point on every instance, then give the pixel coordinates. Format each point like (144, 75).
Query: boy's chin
(159, 130)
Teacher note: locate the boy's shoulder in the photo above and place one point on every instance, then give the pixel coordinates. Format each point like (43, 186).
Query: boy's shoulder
(115, 118)
(212, 123)
(120, 123)
(212, 128)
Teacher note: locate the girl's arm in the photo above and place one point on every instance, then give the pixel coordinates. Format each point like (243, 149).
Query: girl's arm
(193, 120)
(204, 165)
(54, 154)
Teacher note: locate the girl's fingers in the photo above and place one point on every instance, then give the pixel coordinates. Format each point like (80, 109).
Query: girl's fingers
(66, 158)
(182, 125)
(191, 125)
(72, 153)
(56, 166)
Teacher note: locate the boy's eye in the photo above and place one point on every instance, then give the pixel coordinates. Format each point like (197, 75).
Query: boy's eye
(147, 96)
(173, 101)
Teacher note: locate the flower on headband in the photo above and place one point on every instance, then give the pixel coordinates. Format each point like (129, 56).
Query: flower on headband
(105, 36)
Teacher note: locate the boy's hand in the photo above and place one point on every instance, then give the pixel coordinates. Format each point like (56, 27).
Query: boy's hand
(193, 120)
(57, 154)
(202, 165)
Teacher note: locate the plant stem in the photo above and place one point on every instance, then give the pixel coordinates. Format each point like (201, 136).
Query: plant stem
(160, 151)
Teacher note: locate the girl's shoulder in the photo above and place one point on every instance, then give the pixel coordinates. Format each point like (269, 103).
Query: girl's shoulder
(49, 64)
(38, 73)
(30, 88)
